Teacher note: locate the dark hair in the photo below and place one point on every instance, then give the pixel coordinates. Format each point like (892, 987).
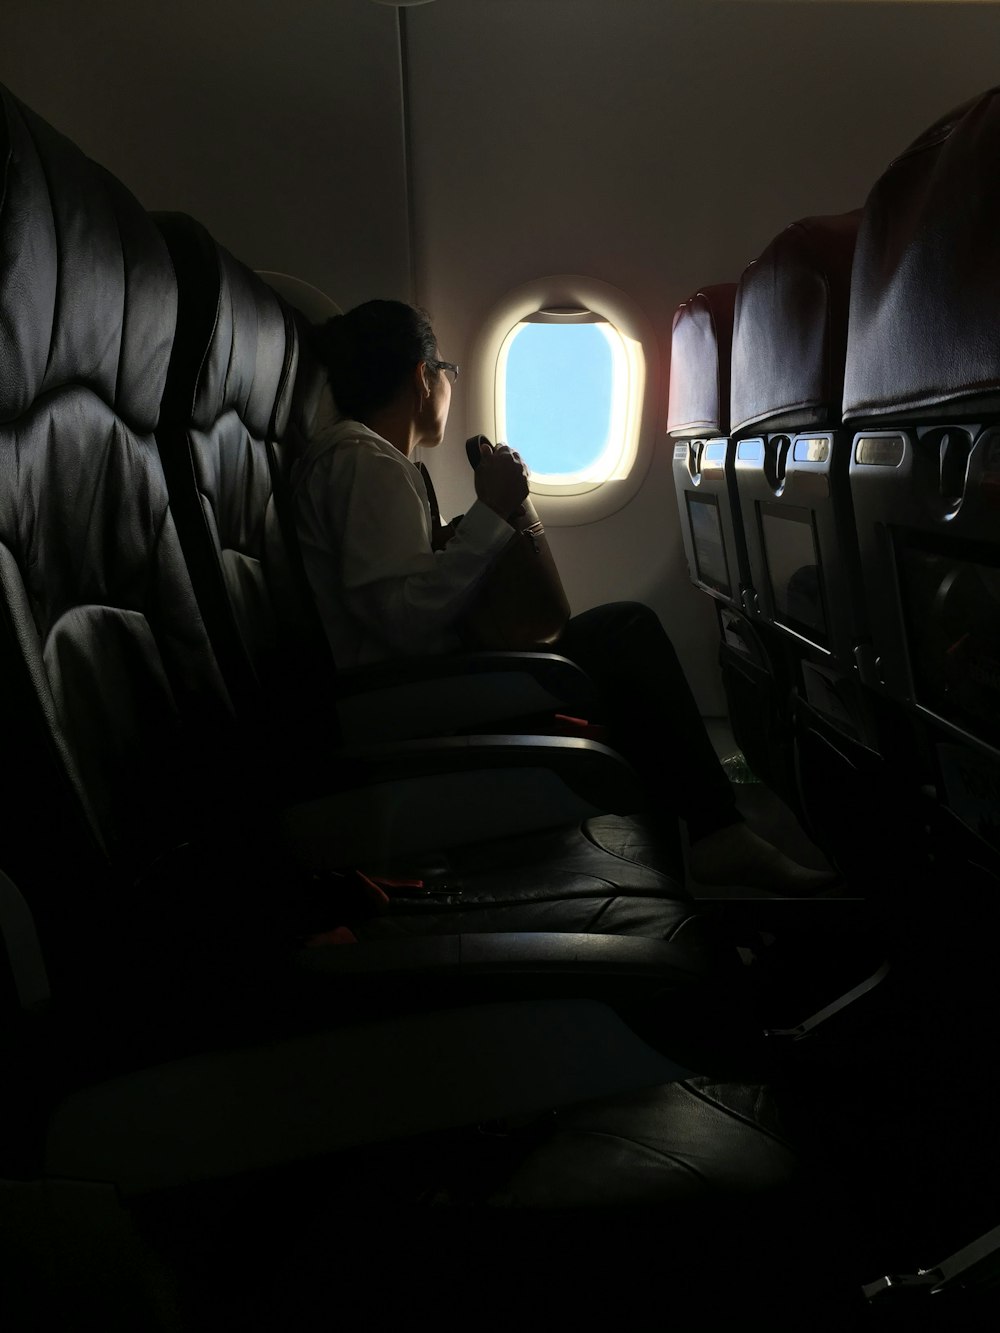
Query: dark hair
(369, 352)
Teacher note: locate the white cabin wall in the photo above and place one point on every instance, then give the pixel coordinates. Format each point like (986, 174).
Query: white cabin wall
(657, 145)
(278, 126)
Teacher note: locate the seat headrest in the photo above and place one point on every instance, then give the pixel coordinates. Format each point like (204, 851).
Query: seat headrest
(232, 338)
(924, 329)
(790, 327)
(700, 351)
(307, 299)
(67, 259)
(312, 406)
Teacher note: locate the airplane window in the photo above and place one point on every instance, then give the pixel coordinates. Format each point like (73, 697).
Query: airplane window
(561, 387)
(564, 370)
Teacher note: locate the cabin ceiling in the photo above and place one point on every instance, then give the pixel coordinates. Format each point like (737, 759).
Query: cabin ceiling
(704, 123)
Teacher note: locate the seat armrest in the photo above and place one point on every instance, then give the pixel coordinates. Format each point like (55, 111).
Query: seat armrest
(229, 1113)
(426, 796)
(428, 696)
(557, 674)
(545, 953)
(594, 771)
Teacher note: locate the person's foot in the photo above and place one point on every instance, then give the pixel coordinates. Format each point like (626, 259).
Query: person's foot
(737, 855)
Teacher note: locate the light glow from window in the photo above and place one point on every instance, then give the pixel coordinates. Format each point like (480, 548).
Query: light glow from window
(603, 425)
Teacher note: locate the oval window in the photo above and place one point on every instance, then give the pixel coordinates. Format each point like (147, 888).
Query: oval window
(560, 369)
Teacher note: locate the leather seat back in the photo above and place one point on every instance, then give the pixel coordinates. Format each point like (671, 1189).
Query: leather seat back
(228, 401)
(790, 328)
(928, 243)
(119, 739)
(698, 422)
(789, 342)
(792, 464)
(753, 672)
(99, 610)
(922, 394)
(922, 391)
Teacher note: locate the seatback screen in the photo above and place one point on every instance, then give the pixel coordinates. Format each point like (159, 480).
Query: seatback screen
(951, 610)
(793, 569)
(709, 547)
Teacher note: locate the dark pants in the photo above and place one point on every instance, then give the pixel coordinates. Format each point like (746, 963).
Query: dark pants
(650, 712)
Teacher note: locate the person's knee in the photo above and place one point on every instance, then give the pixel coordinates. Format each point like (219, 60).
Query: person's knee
(640, 613)
(641, 625)
(624, 613)
(621, 640)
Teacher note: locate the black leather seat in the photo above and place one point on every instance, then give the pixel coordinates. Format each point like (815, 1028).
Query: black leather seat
(110, 688)
(698, 420)
(792, 461)
(235, 358)
(921, 395)
(754, 670)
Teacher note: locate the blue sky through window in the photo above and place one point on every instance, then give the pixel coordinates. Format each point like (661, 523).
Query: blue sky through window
(558, 388)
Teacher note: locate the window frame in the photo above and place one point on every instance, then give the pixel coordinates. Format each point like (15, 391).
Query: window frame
(572, 298)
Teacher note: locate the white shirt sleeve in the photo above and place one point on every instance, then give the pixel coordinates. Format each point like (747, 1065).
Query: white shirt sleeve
(375, 510)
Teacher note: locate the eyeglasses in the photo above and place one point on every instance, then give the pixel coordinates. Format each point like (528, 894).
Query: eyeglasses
(449, 368)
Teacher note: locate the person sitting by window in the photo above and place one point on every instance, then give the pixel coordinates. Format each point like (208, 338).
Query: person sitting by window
(388, 584)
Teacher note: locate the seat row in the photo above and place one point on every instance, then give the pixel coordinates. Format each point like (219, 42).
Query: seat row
(166, 683)
(835, 457)
(186, 826)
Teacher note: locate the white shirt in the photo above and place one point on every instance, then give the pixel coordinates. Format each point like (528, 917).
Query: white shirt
(364, 525)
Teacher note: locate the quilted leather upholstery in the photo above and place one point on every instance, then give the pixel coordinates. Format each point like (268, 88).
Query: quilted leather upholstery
(554, 880)
(678, 1141)
(700, 353)
(790, 327)
(228, 393)
(925, 299)
(100, 616)
(87, 299)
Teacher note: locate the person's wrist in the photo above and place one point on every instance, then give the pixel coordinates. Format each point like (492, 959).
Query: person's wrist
(495, 505)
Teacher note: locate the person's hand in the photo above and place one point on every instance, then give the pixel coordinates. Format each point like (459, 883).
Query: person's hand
(501, 479)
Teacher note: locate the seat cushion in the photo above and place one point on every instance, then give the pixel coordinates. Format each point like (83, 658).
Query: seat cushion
(674, 1143)
(556, 880)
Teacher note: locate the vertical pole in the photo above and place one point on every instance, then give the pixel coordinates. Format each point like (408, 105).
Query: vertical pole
(407, 145)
